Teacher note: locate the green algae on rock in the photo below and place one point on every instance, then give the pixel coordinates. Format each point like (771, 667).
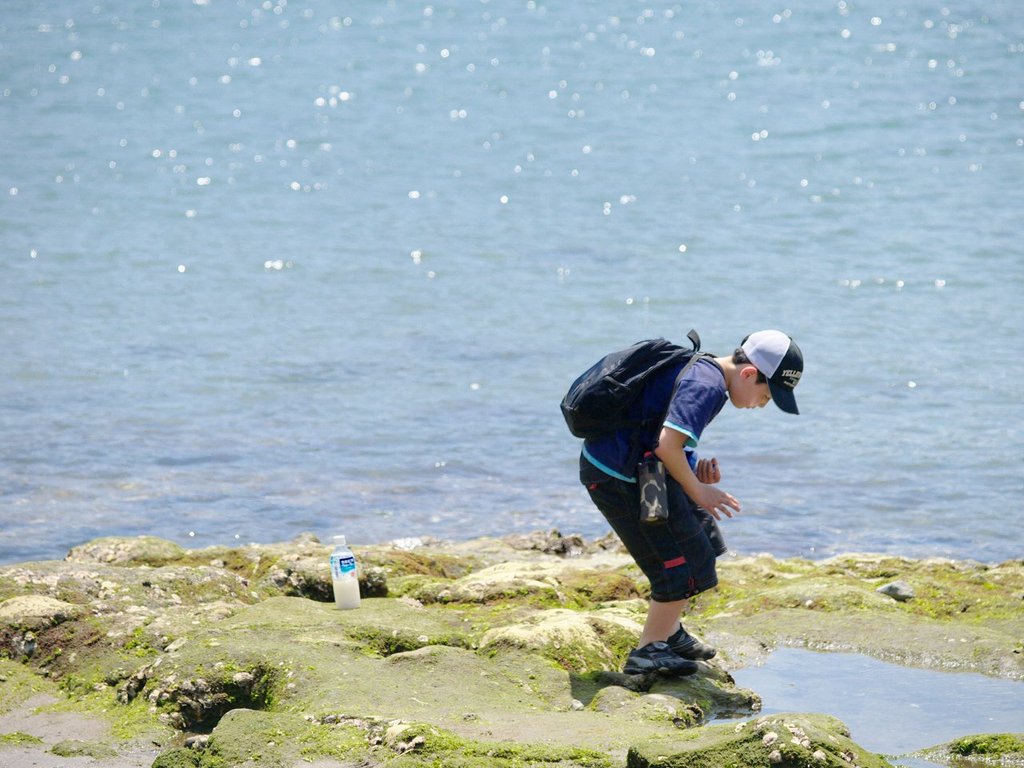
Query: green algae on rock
(488, 652)
(18, 737)
(990, 745)
(787, 740)
(991, 750)
(78, 748)
(966, 616)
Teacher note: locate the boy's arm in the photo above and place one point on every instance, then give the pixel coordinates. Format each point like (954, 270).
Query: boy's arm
(670, 452)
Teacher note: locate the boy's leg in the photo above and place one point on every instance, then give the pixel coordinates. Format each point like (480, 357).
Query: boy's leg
(667, 555)
(662, 621)
(663, 625)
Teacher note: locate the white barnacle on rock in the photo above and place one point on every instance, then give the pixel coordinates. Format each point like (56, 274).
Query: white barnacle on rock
(770, 738)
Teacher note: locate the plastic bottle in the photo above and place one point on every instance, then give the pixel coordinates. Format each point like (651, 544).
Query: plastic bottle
(343, 574)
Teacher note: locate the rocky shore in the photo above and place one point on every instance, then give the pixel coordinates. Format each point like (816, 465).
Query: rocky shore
(138, 652)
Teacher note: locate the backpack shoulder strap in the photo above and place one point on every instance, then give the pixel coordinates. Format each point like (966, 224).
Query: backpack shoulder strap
(695, 355)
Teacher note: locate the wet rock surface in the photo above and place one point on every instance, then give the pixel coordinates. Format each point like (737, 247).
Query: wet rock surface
(493, 652)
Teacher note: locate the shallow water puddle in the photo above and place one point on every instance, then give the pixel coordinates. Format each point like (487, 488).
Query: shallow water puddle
(889, 709)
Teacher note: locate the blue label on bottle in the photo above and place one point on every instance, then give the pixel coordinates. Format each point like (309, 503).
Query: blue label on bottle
(342, 565)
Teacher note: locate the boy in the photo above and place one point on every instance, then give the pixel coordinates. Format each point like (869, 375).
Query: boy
(678, 556)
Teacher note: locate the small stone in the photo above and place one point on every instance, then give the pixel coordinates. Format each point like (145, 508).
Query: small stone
(411, 745)
(900, 591)
(24, 645)
(576, 705)
(243, 679)
(775, 756)
(819, 755)
(197, 742)
(770, 738)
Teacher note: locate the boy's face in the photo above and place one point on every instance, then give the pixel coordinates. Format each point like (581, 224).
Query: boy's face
(746, 392)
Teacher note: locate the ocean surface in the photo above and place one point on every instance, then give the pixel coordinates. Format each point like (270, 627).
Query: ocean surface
(286, 266)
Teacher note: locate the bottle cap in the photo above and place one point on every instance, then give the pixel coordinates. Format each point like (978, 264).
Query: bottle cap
(340, 540)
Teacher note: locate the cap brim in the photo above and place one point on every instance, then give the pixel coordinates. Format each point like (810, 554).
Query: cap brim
(783, 397)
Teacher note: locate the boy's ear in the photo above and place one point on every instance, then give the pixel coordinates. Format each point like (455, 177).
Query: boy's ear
(747, 371)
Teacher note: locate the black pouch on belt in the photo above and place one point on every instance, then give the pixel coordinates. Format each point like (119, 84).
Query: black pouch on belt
(650, 478)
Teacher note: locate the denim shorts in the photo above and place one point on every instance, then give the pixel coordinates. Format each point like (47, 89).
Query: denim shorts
(677, 556)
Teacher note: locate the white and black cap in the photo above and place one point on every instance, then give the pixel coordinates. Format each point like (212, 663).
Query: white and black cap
(778, 357)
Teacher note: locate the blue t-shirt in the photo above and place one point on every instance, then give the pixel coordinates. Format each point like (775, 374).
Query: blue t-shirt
(692, 405)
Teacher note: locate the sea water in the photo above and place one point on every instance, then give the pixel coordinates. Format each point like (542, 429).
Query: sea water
(888, 709)
(273, 267)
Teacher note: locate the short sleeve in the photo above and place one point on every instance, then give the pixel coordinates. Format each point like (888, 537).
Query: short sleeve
(696, 400)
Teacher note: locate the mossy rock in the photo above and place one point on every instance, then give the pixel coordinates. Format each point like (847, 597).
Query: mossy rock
(658, 707)
(993, 745)
(397, 562)
(36, 612)
(277, 740)
(127, 551)
(19, 738)
(787, 741)
(280, 740)
(590, 587)
(990, 750)
(418, 745)
(807, 604)
(579, 642)
(76, 748)
(179, 757)
(712, 692)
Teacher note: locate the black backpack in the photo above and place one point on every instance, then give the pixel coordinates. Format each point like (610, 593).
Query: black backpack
(597, 401)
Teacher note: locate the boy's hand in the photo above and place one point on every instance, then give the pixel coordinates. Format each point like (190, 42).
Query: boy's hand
(717, 502)
(708, 471)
